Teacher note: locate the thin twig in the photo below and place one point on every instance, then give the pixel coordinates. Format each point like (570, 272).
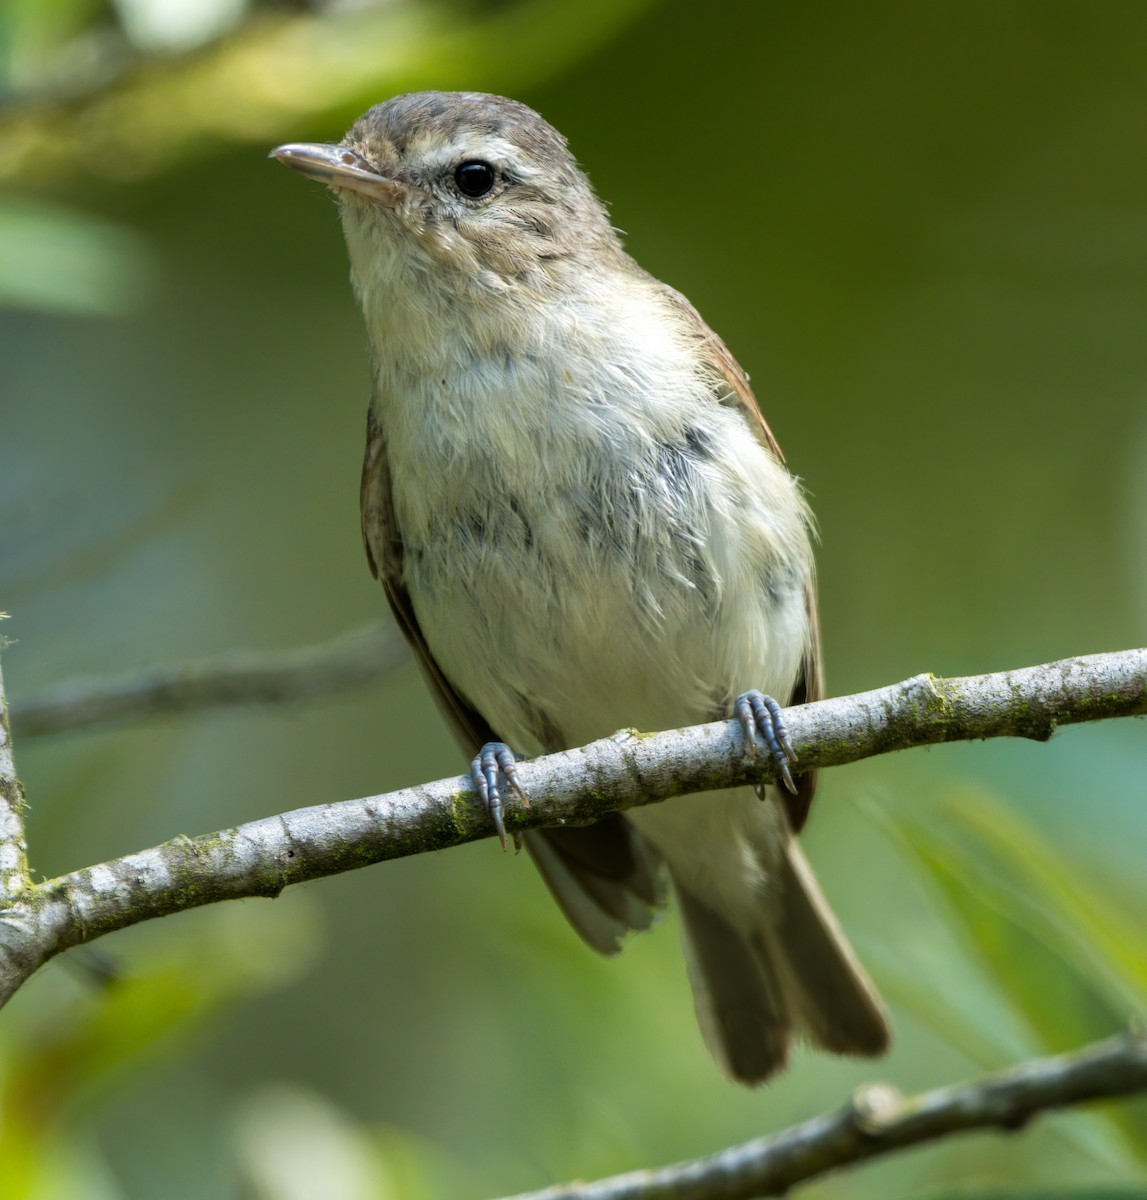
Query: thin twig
(879, 1120)
(363, 656)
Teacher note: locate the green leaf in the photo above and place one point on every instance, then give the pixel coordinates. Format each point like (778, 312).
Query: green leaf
(1057, 946)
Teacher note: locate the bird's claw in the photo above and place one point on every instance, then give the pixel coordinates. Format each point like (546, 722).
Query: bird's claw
(492, 758)
(761, 714)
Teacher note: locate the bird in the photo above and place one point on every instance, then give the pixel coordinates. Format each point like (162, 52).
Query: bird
(582, 522)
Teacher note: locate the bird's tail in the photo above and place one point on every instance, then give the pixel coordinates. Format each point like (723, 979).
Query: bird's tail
(785, 969)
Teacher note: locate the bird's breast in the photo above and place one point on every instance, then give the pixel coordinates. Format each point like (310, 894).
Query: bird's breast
(598, 542)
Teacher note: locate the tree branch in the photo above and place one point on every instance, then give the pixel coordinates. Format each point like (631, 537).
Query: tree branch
(879, 1120)
(38, 921)
(362, 656)
(13, 857)
(263, 857)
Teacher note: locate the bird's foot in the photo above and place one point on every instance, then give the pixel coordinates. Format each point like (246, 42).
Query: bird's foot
(495, 757)
(761, 714)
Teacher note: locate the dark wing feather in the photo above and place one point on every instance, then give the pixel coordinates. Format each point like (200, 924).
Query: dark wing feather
(809, 687)
(810, 683)
(383, 544)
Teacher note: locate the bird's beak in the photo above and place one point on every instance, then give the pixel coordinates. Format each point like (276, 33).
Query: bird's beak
(342, 169)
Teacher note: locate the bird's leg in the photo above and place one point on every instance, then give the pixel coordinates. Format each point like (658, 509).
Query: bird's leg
(761, 714)
(492, 758)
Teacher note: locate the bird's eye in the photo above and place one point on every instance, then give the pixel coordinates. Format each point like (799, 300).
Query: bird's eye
(475, 178)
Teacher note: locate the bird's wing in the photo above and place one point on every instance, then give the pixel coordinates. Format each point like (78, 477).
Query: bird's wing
(738, 395)
(383, 542)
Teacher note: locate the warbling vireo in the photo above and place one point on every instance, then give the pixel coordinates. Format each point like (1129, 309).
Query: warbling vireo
(582, 523)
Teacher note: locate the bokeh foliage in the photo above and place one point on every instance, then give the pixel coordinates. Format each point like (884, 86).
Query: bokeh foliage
(922, 228)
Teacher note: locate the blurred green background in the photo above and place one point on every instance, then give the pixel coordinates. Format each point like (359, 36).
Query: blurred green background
(923, 230)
